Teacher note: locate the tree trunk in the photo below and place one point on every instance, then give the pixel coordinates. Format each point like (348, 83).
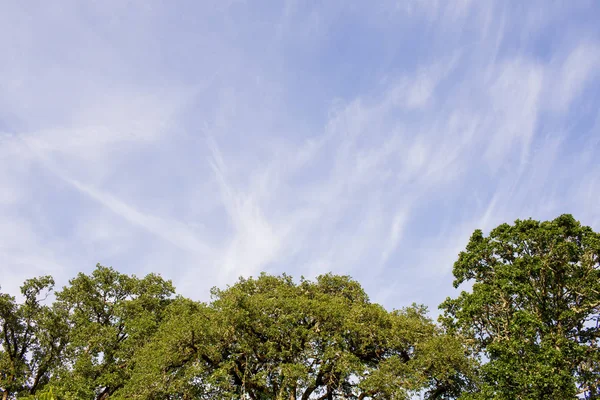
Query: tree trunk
(5, 395)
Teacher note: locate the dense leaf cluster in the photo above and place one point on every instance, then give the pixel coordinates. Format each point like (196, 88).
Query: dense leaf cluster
(526, 329)
(534, 309)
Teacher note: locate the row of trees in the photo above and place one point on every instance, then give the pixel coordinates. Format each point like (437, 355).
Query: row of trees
(526, 329)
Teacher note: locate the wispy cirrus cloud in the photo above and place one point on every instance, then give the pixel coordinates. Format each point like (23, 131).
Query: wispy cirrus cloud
(217, 140)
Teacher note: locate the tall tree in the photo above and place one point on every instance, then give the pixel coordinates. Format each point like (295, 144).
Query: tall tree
(111, 315)
(32, 337)
(269, 338)
(533, 310)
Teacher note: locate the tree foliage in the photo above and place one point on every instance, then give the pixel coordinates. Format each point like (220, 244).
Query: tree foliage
(533, 310)
(32, 336)
(110, 315)
(526, 328)
(269, 338)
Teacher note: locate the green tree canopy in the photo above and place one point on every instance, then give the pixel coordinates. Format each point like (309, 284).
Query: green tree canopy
(110, 315)
(32, 338)
(533, 309)
(526, 328)
(269, 338)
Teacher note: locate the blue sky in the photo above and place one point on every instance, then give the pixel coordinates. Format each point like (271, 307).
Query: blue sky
(207, 140)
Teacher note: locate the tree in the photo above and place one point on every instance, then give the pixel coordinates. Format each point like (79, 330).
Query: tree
(270, 338)
(46, 394)
(32, 338)
(533, 309)
(179, 361)
(111, 315)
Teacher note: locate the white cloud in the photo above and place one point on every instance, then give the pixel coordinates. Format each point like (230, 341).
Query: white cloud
(254, 242)
(453, 120)
(581, 65)
(514, 97)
